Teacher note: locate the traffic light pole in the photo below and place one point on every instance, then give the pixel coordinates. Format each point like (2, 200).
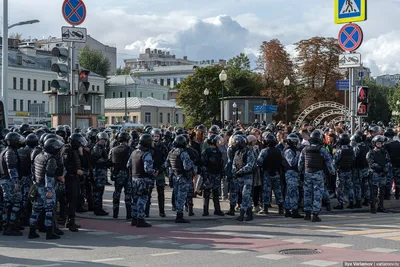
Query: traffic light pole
(72, 86)
(353, 101)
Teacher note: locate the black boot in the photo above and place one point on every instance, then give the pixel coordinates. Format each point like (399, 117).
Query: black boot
(387, 193)
(358, 204)
(308, 216)
(191, 213)
(141, 223)
(32, 233)
(128, 212)
(217, 206)
(280, 210)
(206, 204)
(381, 203)
(101, 212)
(296, 214)
(147, 210)
(10, 230)
(249, 214)
(351, 205)
(180, 219)
(50, 235)
(115, 213)
(265, 210)
(366, 202)
(71, 225)
(373, 200)
(328, 206)
(288, 214)
(231, 211)
(397, 192)
(241, 216)
(56, 230)
(338, 207)
(315, 218)
(161, 200)
(134, 222)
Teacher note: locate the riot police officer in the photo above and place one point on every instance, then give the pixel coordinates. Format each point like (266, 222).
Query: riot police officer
(134, 140)
(141, 165)
(361, 183)
(313, 159)
(119, 157)
(100, 162)
(44, 194)
(10, 184)
(393, 148)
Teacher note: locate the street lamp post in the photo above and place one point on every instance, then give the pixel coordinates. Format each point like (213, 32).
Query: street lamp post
(235, 111)
(286, 83)
(222, 77)
(4, 60)
(206, 93)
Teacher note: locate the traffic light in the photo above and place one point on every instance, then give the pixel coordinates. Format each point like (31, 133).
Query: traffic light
(362, 101)
(62, 68)
(83, 87)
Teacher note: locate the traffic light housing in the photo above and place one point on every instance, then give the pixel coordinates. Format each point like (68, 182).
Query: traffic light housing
(362, 101)
(83, 87)
(62, 68)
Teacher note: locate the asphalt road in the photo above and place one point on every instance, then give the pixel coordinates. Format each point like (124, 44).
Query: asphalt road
(212, 241)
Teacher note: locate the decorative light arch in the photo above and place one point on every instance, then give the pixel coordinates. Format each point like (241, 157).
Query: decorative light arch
(328, 113)
(318, 105)
(339, 119)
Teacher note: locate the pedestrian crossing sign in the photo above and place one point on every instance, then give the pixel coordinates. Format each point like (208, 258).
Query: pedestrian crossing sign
(347, 11)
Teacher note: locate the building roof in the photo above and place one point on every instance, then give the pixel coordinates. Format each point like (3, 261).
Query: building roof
(137, 102)
(123, 80)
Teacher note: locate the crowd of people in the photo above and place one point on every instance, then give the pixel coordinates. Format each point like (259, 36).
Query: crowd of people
(47, 175)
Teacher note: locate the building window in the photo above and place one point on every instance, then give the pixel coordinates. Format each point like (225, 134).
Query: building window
(183, 118)
(14, 104)
(29, 84)
(21, 83)
(168, 82)
(134, 119)
(129, 94)
(21, 105)
(43, 85)
(120, 94)
(141, 95)
(175, 81)
(163, 96)
(168, 118)
(176, 118)
(98, 88)
(162, 82)
(152, 94)
(113, 94)
(29, 105)
(147, 117)
(161, 117)
(48, 85)
(34, 101)
(34, 85)
(92, 87)
(15, 83)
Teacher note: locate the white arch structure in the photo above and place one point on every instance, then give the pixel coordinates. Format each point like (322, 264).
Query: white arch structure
(318, 105)
(339, 119)
(328, 113)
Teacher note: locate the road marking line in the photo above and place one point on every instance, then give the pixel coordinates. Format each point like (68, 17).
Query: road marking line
(109, 259)
(383, 235)
(364, 232)
(233, 252)
(165, 225)
(330, 230)
(165, 254)
(382, 250)
(100, 233)
(395, 238)
(319, 263)
(297, 240)
(130, 237)
(161, 241)
(337, 245)
(273, 257)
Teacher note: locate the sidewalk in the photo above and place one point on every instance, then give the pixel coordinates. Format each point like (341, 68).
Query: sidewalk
(391, 206)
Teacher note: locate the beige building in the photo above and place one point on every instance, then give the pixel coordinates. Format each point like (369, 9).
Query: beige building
(143, 110)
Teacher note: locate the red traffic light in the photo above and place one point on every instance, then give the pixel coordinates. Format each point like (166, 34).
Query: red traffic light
(362, 109)
(82, 75)
(363, 94)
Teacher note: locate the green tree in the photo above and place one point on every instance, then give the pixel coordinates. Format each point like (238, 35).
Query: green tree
(382, 101)
(94, 61)
(124, 71)
(16, 36)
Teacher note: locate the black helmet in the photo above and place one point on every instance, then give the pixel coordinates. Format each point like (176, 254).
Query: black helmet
(179, 131)
(316, 137)
(390, 133)
(147, 129)
(374, 129)
(134, 134)
(377, 139)
(123, 137)
(41, 139)
(214, 129)
(270, 140)
(14, 139)
(39, 133)
(168, 135)
(212, 140)
(32, 140)
(146, 141)
(187, 137)
(78, 130)
(292, 140)
(92, 134)
(77, 140)
(344, 139)
(24, 127)
(67, 130)
(238, 133)
(358, 137)
(156, 132)
(53, 146)
(238, 142)
(102, 136)
(180, 141)
(60, 130)
(201, 127)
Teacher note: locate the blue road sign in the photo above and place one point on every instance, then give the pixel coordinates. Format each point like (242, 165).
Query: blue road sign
(350, 11)
(345, 84)
(350, 37)
(74, 11)
(361, 74)
(265, 109)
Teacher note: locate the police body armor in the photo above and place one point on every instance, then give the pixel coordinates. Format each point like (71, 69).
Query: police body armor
(25, 158)
(138, 164)
(176, 162)
(273, 161)
(346, 160)
(214, 157)
(240, 159)
(393, 148)
(11, 155)
(362, 162)
(380, 159)
(314, 161)
(286, 164)
(40, 167)
(159, 157)
(3, 166)
(100, 157)
(120, 156)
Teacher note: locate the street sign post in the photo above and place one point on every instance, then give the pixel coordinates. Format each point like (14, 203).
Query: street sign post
(73, 34)
(74, 11)
(350, 60)
(350, 37)
(350, 11)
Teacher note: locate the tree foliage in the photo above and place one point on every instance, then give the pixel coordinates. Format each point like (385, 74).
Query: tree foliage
(124, 71)
(16, 36)
(381, 99)
(94, 61)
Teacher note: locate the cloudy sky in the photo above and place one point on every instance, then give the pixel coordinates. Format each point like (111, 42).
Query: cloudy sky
(214, 29)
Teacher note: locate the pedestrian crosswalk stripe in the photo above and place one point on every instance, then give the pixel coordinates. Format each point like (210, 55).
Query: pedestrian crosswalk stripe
(394, 238)
(100, 233)
(366, 232)
(383, 235)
